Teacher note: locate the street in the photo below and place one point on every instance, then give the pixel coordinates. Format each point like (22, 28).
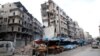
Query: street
(81, 51)
(52, 31)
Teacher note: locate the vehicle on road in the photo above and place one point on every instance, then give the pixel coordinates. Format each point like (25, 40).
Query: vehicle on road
(6, 48)
(95, 44)
(68, 45)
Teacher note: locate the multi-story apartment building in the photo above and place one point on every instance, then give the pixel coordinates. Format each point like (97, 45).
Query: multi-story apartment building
(37, 29)
(81, 33)
(76, 30)
(17, 24)
(88, 37)
(53, 15)
(71, 28)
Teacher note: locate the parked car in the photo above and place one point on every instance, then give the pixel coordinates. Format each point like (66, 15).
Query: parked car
(69, 47)
(6, 48)
(75, 46)
(95, 44)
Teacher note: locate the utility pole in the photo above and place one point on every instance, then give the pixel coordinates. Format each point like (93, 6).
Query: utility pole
(15, 39)
(99, 30)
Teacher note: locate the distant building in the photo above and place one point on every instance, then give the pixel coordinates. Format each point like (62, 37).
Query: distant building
(81, 32)
(71, 28)
(88, 37)
(37, 29)
(76, 30)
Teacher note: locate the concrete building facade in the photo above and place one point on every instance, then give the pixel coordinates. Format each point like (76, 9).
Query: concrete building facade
(53, 15)
(76, 30)
(71, 28)
(88, 37)
(57, 23)
(81, 33)
(37, 29)
(17, 24)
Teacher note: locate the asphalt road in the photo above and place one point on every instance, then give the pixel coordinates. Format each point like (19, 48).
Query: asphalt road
(80, 51)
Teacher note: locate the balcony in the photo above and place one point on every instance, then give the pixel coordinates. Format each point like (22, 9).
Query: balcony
(44, 18)
(15, 21)
(1, 31)
(25, 32)
(15, 14)
(36, 31)
(11, 23)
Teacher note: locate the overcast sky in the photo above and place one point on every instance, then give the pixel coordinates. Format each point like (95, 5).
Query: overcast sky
(85, 12)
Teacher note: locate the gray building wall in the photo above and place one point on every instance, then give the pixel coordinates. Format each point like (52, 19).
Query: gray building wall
(17, 24)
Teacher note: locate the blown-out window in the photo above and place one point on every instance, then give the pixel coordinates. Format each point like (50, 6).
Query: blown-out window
(5, 19)
(18, 28)
(12, 28)
(13, 20)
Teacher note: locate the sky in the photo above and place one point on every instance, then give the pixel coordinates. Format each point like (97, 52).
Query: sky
(85, 12)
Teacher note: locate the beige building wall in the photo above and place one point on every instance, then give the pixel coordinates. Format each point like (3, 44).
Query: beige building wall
(53, 15)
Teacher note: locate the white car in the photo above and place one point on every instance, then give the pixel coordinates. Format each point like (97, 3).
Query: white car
(95, 44)
(6, 48)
